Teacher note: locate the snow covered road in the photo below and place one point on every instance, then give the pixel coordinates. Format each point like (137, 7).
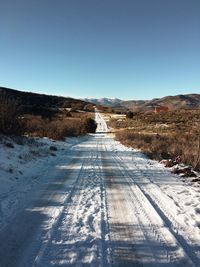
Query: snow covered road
(107, 206)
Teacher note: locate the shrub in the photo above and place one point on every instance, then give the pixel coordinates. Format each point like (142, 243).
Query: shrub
(59, 128)
(89, 125)
(129, 115)
(164, 146)
(10, 122)
(36, 126)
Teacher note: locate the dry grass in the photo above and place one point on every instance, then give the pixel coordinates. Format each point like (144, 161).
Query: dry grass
(9, 116)
(163, 135)
(58, 128)
(61, 125)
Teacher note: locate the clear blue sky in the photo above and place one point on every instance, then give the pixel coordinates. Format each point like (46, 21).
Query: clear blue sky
(130, 49)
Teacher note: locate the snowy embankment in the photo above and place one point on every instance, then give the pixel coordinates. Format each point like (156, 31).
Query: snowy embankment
(25, 166)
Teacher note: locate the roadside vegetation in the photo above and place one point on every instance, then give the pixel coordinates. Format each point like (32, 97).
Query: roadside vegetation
(59, 128)
(165, 135)
(57, 123)
(10, 122)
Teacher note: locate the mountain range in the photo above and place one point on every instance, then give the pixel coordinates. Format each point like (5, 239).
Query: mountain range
(107, 102)
(32, 102)
(188, 101)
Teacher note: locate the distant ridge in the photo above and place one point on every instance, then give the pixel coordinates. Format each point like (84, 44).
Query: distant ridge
(107, 102)
(31, 101)
(187, 101)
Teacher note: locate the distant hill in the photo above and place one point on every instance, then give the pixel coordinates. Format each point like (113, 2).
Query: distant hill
(188, 101)
(107, 102)
(41, 104)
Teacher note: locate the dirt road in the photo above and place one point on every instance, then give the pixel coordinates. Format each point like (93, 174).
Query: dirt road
(109, 206)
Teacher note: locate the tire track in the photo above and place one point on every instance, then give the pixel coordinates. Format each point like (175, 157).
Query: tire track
(49, 236)
(192, 260)
(80, 234)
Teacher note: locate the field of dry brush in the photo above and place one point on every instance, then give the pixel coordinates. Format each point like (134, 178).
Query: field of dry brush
(163, 135)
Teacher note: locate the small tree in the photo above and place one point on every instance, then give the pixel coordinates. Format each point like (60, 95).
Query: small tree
(9, 116)
(89, 125)
(129, 115)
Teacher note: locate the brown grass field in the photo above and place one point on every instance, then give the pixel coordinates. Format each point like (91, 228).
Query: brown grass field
(163, 135)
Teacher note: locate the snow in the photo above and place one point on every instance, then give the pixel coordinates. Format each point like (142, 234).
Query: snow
(23, 168)
(95, 203)
(101, 124)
